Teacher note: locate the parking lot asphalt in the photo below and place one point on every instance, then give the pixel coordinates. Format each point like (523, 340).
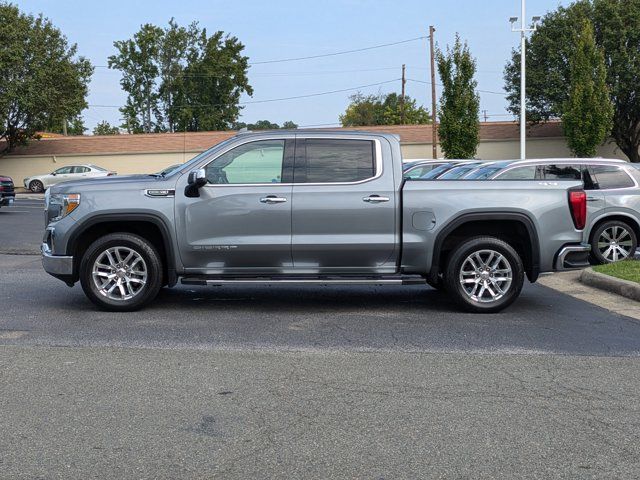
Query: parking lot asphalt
(22, 225)
(310, 382)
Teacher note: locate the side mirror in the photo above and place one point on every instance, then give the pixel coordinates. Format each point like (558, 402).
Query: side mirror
(53, 173)
(196, 179)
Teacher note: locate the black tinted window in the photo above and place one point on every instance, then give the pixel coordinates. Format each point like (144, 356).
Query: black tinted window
(607, 177)
(336, 161)
(561, 172)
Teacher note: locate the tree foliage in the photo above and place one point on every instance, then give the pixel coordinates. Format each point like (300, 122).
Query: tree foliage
(181, 79)
(105, 128)
(42, 81)
(365, 110)
(265, 125)
(459, 127)
(616, 25)
(588, 112)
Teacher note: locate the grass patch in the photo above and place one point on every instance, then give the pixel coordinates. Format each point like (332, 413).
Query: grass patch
(626, 270)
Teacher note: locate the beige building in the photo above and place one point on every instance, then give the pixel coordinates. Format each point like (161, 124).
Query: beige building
(148, 153)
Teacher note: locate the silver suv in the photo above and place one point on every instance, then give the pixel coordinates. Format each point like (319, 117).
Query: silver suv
(613, 199)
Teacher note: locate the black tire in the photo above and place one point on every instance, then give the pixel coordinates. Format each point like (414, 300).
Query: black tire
(152, 263)
(36, 186)
(459, 257)
(597, 256)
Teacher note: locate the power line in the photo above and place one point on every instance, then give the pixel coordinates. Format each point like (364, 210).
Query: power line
(252, 102)
(439, 85)
(344, 52)
(332, 54)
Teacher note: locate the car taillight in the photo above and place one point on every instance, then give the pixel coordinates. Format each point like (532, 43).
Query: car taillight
(578, 206)
(111, 174)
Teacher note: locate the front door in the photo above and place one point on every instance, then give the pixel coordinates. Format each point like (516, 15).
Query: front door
(241, 222)
(344, 208)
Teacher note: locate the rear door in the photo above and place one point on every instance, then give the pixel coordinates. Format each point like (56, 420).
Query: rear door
(344, 207)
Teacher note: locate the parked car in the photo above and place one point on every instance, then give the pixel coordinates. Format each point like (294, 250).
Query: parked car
(613, 199)
(417, 169)
(39, 183)
(459, 170)
(487, 170)
(311, 208)
(436, 172)
(7, 191)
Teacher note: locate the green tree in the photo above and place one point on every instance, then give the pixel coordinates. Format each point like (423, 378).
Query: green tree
(264, 125)
(42, 81)
(105, 128)
(459, 127)
(617, 32)
(364, 110)
(588, 112)
(181, 79)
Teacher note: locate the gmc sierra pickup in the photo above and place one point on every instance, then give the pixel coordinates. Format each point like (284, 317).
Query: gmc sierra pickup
(309, 207)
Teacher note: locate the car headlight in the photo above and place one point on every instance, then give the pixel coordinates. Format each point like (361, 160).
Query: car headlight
(59, 205)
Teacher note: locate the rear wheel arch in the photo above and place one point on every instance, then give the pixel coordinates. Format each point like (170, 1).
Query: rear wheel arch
(147, 226)
(517, 229)
(616, 217)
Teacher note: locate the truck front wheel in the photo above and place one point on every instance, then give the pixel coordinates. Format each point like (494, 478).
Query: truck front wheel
(484, 275)
(121, 272)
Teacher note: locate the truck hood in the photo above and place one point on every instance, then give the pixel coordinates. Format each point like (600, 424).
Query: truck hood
(113, 182)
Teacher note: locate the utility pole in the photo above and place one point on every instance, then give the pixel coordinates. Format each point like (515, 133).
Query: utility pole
(523, 30)
(434, 126)
(484, 113)
(404, 82)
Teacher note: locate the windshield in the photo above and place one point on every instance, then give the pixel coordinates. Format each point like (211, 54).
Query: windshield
(201, 156)
(437, 171)
(458, 172)
(483, 173)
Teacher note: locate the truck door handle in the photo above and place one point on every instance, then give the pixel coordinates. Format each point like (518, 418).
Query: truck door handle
(375, 199)
(272, 199)
(592, 199)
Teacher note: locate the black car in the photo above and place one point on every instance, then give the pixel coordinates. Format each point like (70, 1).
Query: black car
(7, 192)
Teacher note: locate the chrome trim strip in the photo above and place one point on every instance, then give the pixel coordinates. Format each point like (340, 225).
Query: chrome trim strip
(564, 251)
(385, 281)
(56, 264)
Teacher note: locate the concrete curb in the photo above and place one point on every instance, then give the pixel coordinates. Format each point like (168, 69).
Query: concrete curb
(611, 284)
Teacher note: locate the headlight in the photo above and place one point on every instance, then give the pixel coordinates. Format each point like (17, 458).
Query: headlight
(59, 205)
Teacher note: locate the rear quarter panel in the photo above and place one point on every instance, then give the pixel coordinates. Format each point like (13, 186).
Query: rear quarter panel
(429, 206)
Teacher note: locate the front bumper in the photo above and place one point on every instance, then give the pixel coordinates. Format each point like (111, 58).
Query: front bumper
(7, 200)
(572, 257)
(60, 266)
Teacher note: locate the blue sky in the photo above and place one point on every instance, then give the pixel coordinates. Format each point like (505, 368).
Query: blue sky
(284, 29)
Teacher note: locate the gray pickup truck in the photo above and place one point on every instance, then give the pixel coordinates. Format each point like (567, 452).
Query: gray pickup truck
(309, 207)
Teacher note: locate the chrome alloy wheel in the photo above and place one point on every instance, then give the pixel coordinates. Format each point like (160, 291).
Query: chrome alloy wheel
(615, 243)
(486, 276)
(119, 273)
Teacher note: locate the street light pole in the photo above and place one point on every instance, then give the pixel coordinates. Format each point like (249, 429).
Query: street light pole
(523, 72)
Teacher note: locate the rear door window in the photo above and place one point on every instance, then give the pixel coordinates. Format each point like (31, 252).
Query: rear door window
(335, 161)
(519, 173)
(609, 177)
(561, 172)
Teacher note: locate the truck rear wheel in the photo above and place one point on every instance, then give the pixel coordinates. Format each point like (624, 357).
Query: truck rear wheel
(121, 272)
(484, 275)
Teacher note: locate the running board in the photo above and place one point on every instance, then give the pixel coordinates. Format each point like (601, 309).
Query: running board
(397, 280)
